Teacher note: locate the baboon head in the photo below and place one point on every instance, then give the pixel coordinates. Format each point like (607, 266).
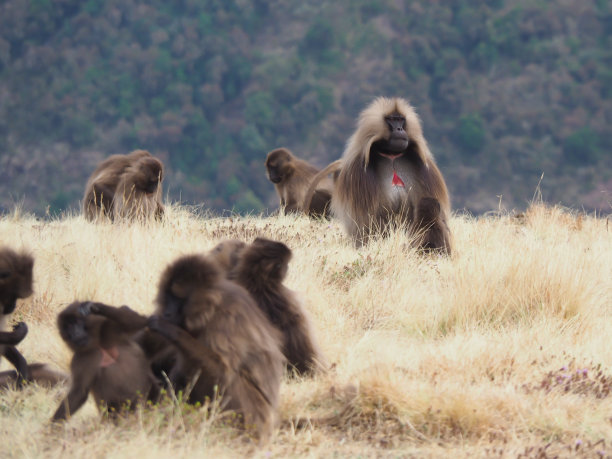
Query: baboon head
(78, 328)
(278, 165)
(149, 174)
(187, 294)
(15, 278)
(268, 259)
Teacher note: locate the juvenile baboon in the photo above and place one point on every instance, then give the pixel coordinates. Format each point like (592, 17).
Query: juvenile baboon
(102, 183)
(387, 177)
(261, 269)
(16, 283)
(107, 360)
(224, 341)
(291, 177)
(139, 191)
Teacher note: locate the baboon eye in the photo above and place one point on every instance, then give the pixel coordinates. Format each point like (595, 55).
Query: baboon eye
(5, 274)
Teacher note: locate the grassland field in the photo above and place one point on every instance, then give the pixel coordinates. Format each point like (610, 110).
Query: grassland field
(503, 349)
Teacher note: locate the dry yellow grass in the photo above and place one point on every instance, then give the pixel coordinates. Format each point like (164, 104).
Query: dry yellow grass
(502, 349)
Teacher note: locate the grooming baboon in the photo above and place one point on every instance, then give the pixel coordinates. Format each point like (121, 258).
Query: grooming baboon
(388, 177)
(227, 253)
(107, 360)
(261, 269)
(15, 283)
(224, 341)
(102, 183)
(139, 191)
(291, 177)
(159, 352)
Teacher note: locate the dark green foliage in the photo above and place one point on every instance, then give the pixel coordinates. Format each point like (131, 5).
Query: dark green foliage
(470, 133)
(582, 147)
(506, 90)
(319, 39)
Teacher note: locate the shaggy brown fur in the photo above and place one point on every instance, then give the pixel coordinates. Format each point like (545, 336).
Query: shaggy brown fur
(387, 177)
(139, 191)
(102, 184)
(223, 339)
(125, 186)
(261, 269)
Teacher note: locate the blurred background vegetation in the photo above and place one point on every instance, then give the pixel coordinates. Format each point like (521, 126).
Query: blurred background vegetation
(507, 90)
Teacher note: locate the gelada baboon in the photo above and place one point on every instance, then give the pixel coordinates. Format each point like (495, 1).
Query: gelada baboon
(102, 183)
(140, 169)
(388, 177)
(107, 360)
(16, 283)
(261, 269)
(224, 341)
(291, 177)
(139, 191)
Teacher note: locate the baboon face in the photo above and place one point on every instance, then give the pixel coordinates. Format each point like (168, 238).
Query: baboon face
(173, 305)
(150, 175)
(278, 165)
(397, 139)
(15, 278)
(76, 327)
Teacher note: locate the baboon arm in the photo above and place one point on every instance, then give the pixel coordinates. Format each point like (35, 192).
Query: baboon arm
(14, 337)
(153, 344)
(291, 205)
(83, 376)
(73, 401)
(19, 362)
(128, 320)
(188, 345)
(10, 338)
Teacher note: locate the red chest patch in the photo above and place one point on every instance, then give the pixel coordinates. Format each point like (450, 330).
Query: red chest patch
(109, 356)
(397, 181)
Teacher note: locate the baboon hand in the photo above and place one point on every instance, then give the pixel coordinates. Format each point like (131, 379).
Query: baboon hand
(86, 308)
(155, 323)
(20, 331)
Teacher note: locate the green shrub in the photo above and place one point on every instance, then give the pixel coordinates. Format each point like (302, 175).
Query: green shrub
(582, 146)
(470, 133)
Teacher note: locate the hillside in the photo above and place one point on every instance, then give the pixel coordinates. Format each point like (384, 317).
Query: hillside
(507, 91)
(501, 350)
